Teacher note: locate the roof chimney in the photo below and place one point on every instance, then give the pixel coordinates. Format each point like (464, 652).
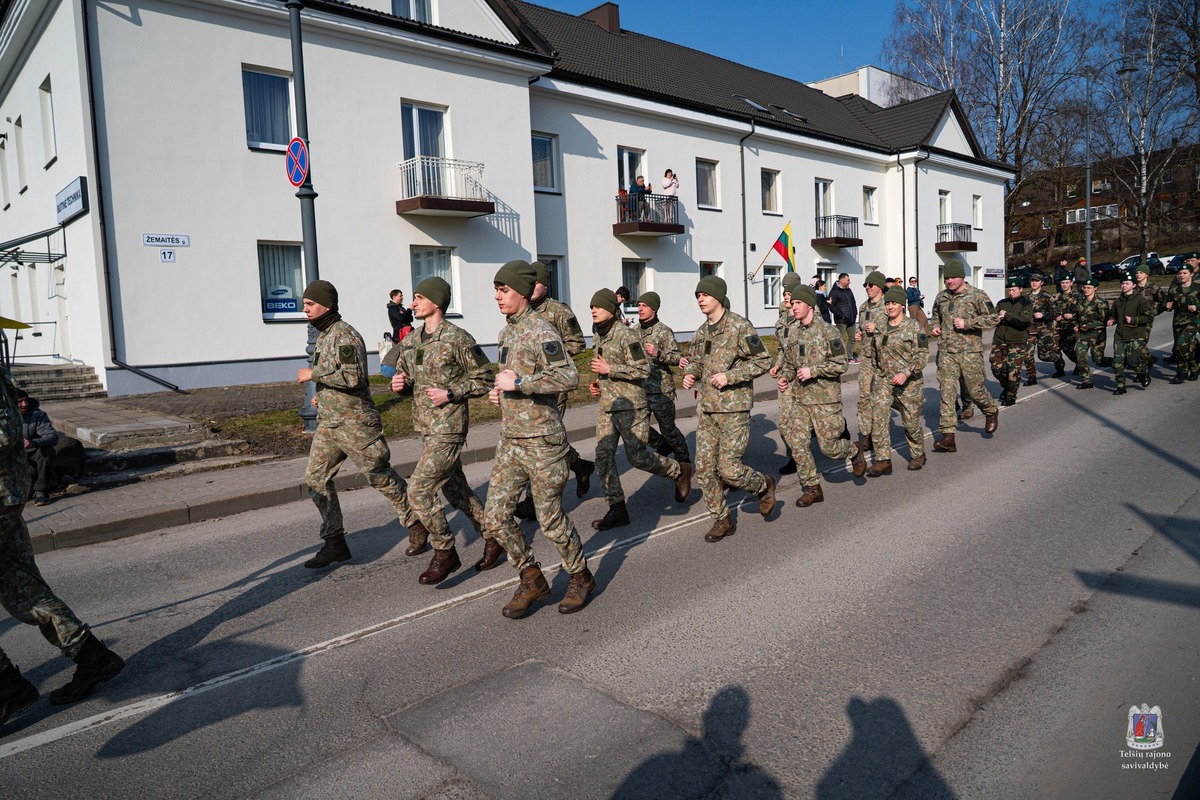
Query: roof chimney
(607, 16)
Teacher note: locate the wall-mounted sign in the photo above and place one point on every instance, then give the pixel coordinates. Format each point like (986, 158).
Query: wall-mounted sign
(166, 255)
(166, 240)
(993, 272)
(72, 201)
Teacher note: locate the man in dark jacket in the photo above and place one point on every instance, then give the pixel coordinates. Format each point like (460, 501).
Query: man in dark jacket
(401, 318)
(845, 312)
(40, 438)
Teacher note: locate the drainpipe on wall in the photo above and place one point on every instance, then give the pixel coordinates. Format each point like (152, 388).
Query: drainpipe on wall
(903, 221)
(917, 214)
(745, 244)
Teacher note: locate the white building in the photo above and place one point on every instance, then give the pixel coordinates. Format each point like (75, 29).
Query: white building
(496, 130)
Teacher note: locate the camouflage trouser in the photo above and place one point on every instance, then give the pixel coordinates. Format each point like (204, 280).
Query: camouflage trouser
(441, 468)
(966, 369)
(1066, 342)
(1185, 347)
(833, 437)
(572, 453)
(662, 406)
(1043, 345)
(1006, 366)
(909, 400)
(24, 593)
(633, 428)
(367, 448)
(1132, 354)
(868, 376)
(721, 441)
(540, 461)
(1085, 344)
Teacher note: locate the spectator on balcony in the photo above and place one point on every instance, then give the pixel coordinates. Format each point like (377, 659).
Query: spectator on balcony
(845, 312)
(400, 317)
(670, 188)
(638, 194)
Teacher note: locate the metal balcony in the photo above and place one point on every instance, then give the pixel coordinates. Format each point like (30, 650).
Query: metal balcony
(954, 238)
(837, 231)
(647, 215)
(443, 187)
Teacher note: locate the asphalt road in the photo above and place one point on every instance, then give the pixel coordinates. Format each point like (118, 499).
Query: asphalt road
(978, 629)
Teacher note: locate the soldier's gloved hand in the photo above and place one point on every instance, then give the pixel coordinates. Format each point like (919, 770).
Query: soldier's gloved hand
(399, 381)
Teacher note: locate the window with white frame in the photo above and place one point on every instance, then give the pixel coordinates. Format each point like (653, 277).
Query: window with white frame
(435, 262)
(977, 212)
(1016, 228)
(424, 130)
(944, 207)
(706, 184)
(1045, 223)
(4, 174)
(771, 287)
(268, 102)
(1071, 190)
(416, 10)
(823, 197)
(19, 144)
(631, 163)
(770, 191)
(710, 268)
(49, 148)
(633, 277)
(552, 266)
(869, 211)
(281, 280)
(545, 162)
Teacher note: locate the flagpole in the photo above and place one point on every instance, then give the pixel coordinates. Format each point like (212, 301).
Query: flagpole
(760, 264)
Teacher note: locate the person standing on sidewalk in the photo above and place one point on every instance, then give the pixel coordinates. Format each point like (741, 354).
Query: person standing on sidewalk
(622, 414)
(535, 370)
(348, 425)
(663, 349)
(872, 316)
(24, 592)
(443, 368)
(725, 356)
(845, 312)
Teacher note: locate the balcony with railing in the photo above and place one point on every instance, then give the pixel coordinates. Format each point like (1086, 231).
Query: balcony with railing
(444, 187)
(954, 238)
(647, 215)
(837, 231)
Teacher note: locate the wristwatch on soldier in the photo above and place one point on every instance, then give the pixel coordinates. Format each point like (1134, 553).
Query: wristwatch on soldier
(517, 385)
(451, 396)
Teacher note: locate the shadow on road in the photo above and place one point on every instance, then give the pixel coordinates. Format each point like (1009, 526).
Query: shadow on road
(1185, 533)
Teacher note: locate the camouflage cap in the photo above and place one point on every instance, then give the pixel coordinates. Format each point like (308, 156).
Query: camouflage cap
(954, 269)
(1037, 276)
(876, 279)
(651, 299)
(895, 295)
(606, 299)
(518, 275)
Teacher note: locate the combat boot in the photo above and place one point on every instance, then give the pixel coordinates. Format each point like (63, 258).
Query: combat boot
(16, 693)
(880, 468)
(991, 422)
(440, 566)
(333, 549)
(967, 412)
(812, 494)
(418, 535)
(531, 589)
(616, 516)
(582, 584)
(945, 444)
(1031, 382)
(94, 664)
(1119, 390)
(1060, 370)
(916, 463)
(720, 529)
(858, 460)
(766, 500)
(524, 509)
(1178, 379)
(683, 484)
(1144, 381)
(492, 553)
(1086, 385)
(583, 470)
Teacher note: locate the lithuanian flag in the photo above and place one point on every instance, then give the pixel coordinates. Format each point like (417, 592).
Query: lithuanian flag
(783, 246)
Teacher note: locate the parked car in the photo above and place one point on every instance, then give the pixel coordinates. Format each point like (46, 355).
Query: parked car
(1173, 265)
(1023, 273)
(1106, 271)
(1133, 262)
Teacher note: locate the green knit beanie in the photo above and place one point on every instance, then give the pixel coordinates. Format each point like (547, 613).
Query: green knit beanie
(805, 294)
(714, 287)
(542, 272)
(518, 275)
(954, 269)
(322, 292)
(877, 278)
(895, 295)
(651, 299)
(791, 280)
(434, 289)
(606, 299)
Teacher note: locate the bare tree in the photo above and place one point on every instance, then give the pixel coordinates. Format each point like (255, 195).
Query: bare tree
(1181, 26)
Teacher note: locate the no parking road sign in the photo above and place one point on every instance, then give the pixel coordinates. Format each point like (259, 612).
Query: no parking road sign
(297, 161)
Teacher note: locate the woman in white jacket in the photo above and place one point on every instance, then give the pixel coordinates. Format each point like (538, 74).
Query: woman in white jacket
(670, 186)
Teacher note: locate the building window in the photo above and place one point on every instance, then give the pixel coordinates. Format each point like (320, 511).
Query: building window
(268, 104)
(770, 191)
(416, 10)
(630, 164)
(552, 266)
(633, 277)
(1168, 177)
(1045, 223)
(706, 184)
(47, 100)
(19, 144)
(1071, 190)
(1018, 248)
(869, 211)
(977, 212)
(281, 278)
(1101, 185)
(944, 207)
(424, 131)
(545, 162)
(710, 268)
(1016, 228)
(4, 174)
(823, 197)
(771, 286)
(436, 262)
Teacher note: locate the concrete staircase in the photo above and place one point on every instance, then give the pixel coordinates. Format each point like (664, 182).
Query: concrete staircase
(58, 381)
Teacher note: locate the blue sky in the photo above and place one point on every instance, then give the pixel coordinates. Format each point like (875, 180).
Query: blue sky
(802, 41)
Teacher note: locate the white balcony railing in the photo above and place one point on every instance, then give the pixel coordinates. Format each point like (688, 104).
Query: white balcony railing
(429, 176)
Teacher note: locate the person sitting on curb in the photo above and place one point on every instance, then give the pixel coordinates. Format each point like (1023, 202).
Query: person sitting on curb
(40, 438)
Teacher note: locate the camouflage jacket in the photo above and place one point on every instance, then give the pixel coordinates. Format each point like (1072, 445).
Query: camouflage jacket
(1014, 328)
(1069, 303)
(1093, 316)
(623, 388)
(530, 347)
(1140, 311)
(1047, 305)
(340, 373)
(563, 319)
(1155, 294)
(819, 347)
(661, 379)
(15, 475)
(732, 346)
(784, 327)
(871, 312)
(976, 310)
(1180, 298)
(903, 349)
(448, 359)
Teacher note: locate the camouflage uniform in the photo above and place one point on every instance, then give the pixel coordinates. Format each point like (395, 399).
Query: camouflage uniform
(868, 368)
(1068, 303)
(1090, 334)
(1010, 344)
(1129, 341)
(563, 320)
(1157, 296)
(23, 592)
(533, 443)
(1043, 334)
(447, 359)
(622, 412)
(903, 350)
(732, 346)
(1186, 325)
(660, 387)
(348, 424)
(960, 353)
(784, 328)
